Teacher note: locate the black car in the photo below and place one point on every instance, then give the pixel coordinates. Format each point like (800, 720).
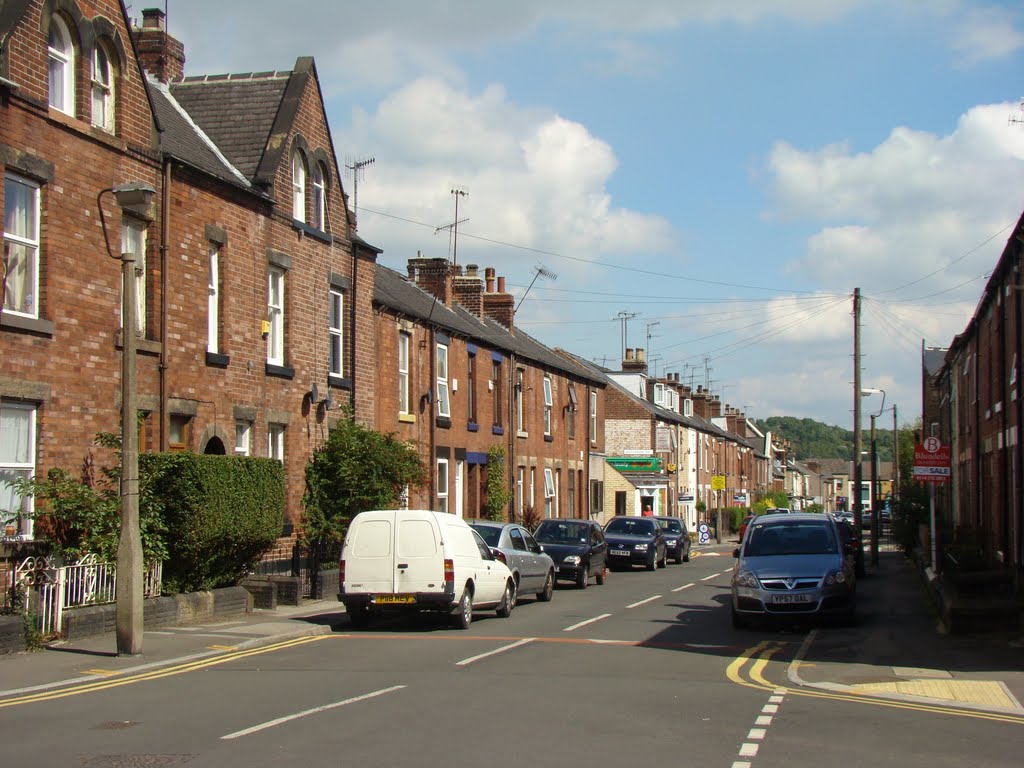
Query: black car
(677, 538)
(578, 548)
(853, 543)
(635, 541)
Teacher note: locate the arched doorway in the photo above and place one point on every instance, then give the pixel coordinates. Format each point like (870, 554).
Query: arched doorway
(214, 447)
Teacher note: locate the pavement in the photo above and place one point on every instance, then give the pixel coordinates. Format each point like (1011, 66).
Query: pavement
(896, 650)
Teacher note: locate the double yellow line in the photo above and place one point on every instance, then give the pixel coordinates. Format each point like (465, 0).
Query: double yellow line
(764, 651)
(130, 678)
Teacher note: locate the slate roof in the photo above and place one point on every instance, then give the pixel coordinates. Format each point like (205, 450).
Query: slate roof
(237, 112)
(934, 359)
(394, 291)
(185, 141)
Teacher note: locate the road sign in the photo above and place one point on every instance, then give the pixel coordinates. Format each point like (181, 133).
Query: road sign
(703, 533)
(718, 482)
(932, 461)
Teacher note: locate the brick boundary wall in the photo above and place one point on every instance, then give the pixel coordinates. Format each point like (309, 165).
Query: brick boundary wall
(190, 608)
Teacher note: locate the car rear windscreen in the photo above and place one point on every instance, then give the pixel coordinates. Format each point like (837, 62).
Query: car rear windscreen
(811, 538)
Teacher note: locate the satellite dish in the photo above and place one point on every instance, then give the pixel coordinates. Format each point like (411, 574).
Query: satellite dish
(328, 402)
(314, 394)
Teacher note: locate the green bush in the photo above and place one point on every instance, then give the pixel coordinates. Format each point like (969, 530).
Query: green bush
(222, 514)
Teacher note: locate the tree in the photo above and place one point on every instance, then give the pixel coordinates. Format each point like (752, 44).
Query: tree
(356, 469)
(498, 493)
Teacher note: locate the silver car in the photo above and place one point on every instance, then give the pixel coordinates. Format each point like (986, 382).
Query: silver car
(790, 566)
(532, 568)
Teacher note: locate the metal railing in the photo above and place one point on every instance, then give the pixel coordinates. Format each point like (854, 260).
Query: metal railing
(50, 591)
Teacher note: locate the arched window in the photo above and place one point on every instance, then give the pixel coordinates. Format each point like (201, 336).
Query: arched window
(298, 187)
(102, 89)
(62, 67)
(319, 198)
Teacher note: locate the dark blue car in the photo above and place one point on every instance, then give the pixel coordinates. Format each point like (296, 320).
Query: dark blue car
(635, 541)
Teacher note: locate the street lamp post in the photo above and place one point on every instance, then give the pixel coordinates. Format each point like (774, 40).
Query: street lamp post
(875, 512)
(129, 576)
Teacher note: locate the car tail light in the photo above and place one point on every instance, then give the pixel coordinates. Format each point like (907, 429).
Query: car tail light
(499, 555)
(449, 576)
(341, 574)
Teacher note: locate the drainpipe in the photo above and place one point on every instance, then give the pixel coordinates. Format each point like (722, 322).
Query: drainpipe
(352, 325)
(165, 217)
(512, 426)
(432, 394)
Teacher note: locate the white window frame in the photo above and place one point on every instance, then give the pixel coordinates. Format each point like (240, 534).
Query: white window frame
(520, 480)
(102, 88)
(593, 416)
(23, 298)
(275, 441)
(404, 389)
(659, 394)
(319, 198)
(549, 492)
(213, 301)
(444, 406)
(335, 330)
(26, 467)
(243, 438)
(442, 485)
(687, 407)
(134, 233)
(548, 404)
(61, 67)
(298, 186)
(520, 385)
(275, 314)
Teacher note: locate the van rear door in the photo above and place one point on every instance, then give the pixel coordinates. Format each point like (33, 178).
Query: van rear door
(370, 554)
(419, 563)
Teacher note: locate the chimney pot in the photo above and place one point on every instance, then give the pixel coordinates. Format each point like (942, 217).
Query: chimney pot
(640, 354)
(153, 18)
(472, 270)
(501, 284)
(629, 353)
(489, 275)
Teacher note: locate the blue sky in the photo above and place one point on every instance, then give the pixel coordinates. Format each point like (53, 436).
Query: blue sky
(727, 173)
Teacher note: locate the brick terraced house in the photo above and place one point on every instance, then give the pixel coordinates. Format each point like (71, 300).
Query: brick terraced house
(252, 285)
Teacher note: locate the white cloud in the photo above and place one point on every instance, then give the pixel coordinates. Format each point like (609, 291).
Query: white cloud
(534, 178)
(910, 206)
(986, 34)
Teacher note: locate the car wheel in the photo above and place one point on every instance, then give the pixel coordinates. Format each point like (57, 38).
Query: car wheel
(686, 557)
(464, 612)
(583, 576)
(508, 602)
(653, 565)
(600, 576)
(679, 558)
(664, 560)
(738, 622)
(549, 588)
(359, 617)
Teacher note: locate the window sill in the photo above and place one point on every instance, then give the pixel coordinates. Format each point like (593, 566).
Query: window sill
(443, 422)
(281, 371)
(496, 430)
(407, 418)
(29, 324)
(522, 433)
(217, 360)
(333, 380)
(316, 234)
(472, 427)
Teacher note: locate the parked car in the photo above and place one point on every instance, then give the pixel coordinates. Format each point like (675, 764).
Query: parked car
(853, 543)
(677, 538)
(635, 541)
(577, 547)
(744, 524)
(406, 560)
(792, 566)
(532, 567)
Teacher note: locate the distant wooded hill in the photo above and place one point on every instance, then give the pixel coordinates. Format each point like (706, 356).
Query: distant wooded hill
(816, 440)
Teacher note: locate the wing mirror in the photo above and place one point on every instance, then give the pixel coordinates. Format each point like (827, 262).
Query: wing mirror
(736, 552)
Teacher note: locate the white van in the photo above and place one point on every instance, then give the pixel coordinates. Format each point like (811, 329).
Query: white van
(417, 560)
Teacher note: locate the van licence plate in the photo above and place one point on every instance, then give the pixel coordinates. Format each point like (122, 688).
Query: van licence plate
(394, 599)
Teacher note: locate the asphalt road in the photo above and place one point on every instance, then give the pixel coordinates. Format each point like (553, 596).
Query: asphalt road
(645, 670)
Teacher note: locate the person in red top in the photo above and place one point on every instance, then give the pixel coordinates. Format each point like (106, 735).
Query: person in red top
(647, 511)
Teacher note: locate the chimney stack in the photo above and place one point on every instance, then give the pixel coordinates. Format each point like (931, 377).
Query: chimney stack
(161, 55)
(498, 305)
(634, 361)
(432, 275)
(469, 290)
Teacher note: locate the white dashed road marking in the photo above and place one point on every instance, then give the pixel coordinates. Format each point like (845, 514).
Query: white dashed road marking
(685, 586)
(503, 648)
(641, 602)
(588, 621)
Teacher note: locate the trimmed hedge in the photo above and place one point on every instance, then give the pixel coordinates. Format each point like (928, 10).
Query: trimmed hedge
(222, 514)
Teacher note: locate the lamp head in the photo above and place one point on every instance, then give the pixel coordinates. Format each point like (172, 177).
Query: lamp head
(134, 194)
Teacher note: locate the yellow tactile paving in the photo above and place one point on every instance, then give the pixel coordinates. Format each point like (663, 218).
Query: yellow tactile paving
(983, 692)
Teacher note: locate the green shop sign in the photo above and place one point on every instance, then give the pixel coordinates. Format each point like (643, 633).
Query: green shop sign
(636, 464)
